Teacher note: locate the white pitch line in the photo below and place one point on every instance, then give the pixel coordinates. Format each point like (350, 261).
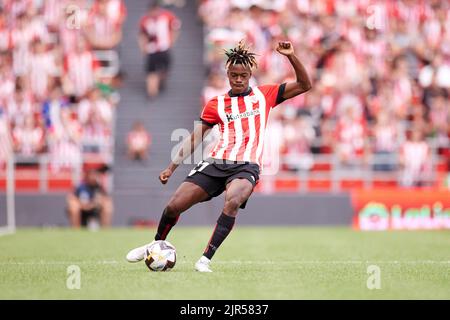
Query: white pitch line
(264, 262)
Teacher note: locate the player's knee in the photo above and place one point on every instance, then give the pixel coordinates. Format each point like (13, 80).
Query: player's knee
(233, 203)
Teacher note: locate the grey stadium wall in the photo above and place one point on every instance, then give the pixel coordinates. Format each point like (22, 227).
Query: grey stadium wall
(280, 209)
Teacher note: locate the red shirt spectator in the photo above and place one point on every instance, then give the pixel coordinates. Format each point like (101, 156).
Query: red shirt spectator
(158, 30)
(415, 160)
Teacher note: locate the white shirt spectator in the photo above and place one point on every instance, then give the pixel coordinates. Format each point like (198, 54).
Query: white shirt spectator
(28, 139)
(80, 69)
(19, 107)
(100, 106)
(5, 139)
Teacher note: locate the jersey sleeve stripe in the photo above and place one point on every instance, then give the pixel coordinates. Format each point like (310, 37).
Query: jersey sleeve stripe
(281, 90)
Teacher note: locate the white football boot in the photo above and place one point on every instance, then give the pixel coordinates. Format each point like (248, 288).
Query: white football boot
(202, 265)
(137, 254)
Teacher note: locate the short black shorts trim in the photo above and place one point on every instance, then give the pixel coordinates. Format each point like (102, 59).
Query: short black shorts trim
(214, 177)
(158, 62)
(281, 90)
(209, 124)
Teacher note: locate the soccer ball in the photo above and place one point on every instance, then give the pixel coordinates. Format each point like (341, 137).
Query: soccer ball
(160, 256)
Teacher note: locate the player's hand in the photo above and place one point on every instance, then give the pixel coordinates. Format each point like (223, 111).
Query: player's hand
(285, 48)
(165, 175)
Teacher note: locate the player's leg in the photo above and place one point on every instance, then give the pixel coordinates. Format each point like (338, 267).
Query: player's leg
(237, 192)
(184, 197)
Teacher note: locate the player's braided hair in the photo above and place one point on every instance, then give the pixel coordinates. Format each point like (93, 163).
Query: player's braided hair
(241, 55)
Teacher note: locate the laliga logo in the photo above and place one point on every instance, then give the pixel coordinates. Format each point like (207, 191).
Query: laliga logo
(377, 216)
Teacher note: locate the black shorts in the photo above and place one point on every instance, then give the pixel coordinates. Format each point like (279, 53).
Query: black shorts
(89, 214)
(213, 175)
(158, 62)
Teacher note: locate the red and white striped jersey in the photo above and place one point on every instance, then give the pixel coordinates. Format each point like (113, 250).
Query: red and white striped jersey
(80, 69)
(242, 122)
(5, 38)
(386, 137)
(102, 25)
(416, 155)
(53, 12)
(115, 10)
(28, 139)
(158, 30)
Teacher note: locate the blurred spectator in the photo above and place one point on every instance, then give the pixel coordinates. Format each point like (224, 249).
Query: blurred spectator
(158, 32)
(138, 142)
(47, 74)
(95, 116)
(28, 138)
(65, 142)
(298, 136)
(351, 132)
(216, 85)
(19, 106)
(95, 105)
(89, 203)
(7, 83)
(104, 25)
(51, 108)
(415, 159)
(5, 139)
(387, 139)
(41, 69)
(440, 121)
(5, 39)
(81, 69)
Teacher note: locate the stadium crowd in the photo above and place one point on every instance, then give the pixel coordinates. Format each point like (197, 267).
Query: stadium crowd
(381, 72)
(58, 79)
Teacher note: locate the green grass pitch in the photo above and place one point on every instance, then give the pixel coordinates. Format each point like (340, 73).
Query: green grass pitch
(253, 263)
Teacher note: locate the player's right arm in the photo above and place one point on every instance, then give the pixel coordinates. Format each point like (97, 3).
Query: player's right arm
(209, 118)
(187, 148)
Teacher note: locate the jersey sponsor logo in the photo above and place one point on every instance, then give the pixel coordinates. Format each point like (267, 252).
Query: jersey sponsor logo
(231, 117)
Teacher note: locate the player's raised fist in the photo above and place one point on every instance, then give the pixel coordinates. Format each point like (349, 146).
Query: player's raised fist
(285, 48)
(165, 175)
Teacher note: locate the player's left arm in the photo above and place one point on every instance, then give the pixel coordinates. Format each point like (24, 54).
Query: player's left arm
(303, 82)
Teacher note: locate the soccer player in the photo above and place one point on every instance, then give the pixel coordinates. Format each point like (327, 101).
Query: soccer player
(233, 165)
